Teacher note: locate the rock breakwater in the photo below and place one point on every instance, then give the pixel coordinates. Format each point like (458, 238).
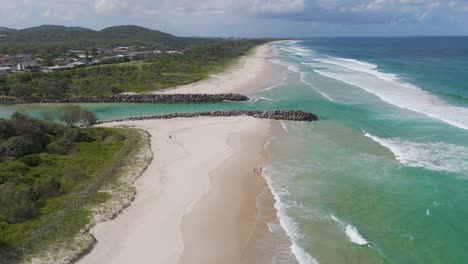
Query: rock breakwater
(132, 98)
(291, 115)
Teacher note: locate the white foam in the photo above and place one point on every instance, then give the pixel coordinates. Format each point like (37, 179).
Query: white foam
(438, 156)
(351, 232)
(351, 62)
(354, 236)
(302, 256)
(391, 89)
(315, 88)
(284, 126)
(283, 80)
(336, 219)
(296, 69)
(287, 223)
(428, 212)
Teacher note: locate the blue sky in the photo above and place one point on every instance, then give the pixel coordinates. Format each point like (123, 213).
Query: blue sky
(249, 18)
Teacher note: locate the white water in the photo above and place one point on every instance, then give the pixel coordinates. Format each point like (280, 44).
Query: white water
(287, 223)
(315, 88)
(354, 236)
(284, 126)
(351, 232)
(436, 156)
(296, 69)
(391, 89)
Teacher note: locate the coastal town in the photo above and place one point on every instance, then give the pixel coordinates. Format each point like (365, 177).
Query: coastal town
(73, 59)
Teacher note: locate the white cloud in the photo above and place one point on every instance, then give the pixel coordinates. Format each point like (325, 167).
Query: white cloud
(109, 6)
(276, 6)
(207, 7)
(197, 16)
(458, 5)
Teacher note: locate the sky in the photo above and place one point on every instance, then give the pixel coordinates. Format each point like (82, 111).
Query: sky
(249, 18)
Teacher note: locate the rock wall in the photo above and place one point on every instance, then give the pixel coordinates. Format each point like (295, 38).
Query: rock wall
(134, 98)
(292, 115)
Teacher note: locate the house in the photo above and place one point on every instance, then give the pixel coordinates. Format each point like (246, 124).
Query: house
(95, 61)
(77, 64)
(22, 56)
(62, 61)
(121, 50)
(5, 71)
(77, 51)
(56, 68)
(6, 64)
(174, 52)
(28, 66)
(110, 60)
(136, 55)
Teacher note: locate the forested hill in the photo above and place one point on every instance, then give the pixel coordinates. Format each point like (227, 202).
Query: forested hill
(53, 33)
(5, 29)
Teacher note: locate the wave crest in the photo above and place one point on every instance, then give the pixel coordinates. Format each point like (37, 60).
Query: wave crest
(438, 156)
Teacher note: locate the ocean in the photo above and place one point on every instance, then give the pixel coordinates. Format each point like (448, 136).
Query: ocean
(383, 176)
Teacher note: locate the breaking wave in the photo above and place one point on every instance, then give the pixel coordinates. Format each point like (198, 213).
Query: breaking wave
(438, 156)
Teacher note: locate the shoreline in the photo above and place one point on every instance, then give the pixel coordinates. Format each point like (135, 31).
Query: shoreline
(185, 191)
(170, 205)
(252, 72)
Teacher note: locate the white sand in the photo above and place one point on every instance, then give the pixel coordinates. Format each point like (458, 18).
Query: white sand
(250, 73)
(196, 201)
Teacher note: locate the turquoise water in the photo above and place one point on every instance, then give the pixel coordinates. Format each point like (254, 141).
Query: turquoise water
(383, 176)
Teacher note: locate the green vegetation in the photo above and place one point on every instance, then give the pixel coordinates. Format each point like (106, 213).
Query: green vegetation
(73, 114)
(55, 40)
(49, 176)
(59, 39)
(154, 74)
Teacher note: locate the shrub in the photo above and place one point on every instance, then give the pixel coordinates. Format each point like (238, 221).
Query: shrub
(62, 146)
(46, 188)
(31, 160)
(79, 135)
(17, 147)
(16, 202)
(73, 176)
(6, 128)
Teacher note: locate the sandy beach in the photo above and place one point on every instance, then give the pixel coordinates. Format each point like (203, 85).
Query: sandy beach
(199, 201)
(196, 202)
(251, 73)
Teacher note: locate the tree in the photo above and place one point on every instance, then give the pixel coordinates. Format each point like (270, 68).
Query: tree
(47, 88)
(21, 90)
(88, 118)
(73, 114)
